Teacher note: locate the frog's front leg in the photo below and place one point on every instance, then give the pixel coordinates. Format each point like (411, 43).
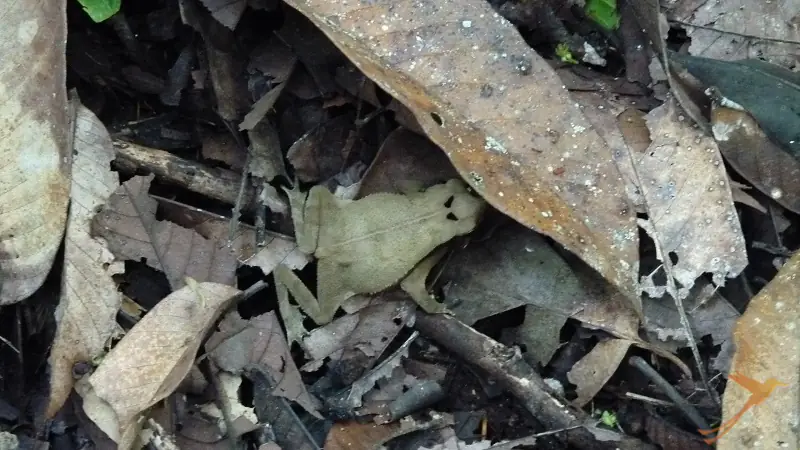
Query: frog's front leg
(320, 312)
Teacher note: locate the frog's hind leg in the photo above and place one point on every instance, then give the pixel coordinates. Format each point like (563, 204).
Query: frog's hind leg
(308, 303)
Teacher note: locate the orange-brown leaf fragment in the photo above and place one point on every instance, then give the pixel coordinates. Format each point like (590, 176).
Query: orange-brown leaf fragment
(767, 339)
(500, 113)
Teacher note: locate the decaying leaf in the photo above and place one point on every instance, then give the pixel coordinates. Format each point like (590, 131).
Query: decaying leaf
(709, 315)
(357, 340)
(259, 343)
(321, 153)
(502, 116)
(720, 29)
(128, 222)
(745, 146)
(34, 143)
(278, 249)
(86, 314)
(406, 162)
(517, 267)
(767, 339)
(356, 436)
(226, 12)
(152, 359)
(690, 208)
(592, 372)
(768, 92)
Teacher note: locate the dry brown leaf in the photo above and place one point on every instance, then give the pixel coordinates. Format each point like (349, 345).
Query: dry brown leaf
(592, 372)
(221, 147)
(128, 222)
(406, 161)
(86, 314)
(767, 338)
(272, 58)
(689, 202)
(152, 359)
(770, 168)
(226, 12)
(34, 143)
(259, 343)
(318, 155)
(502, 116)
(278, 249)
(725, 22)
(518, 267)
(355, 341)
(368, 436)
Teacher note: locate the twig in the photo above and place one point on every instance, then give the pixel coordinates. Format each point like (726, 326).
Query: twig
(686, 408)
(516, 375)
(236, 212)
(672, 290)
(733, 33)
(218, 184)
(646, 399)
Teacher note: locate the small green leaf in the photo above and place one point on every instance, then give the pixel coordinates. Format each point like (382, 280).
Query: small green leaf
(609, 419)
(603, 12)
(562, 51)
(100, 10)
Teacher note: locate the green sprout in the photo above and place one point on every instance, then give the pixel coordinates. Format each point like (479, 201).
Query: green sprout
(100, 10)
(563, 52)
(604, 13)
(608, 419)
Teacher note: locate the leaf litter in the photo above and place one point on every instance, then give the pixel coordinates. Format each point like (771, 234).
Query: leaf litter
(546, 143)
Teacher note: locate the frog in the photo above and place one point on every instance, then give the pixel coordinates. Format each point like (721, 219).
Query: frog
(368, 245)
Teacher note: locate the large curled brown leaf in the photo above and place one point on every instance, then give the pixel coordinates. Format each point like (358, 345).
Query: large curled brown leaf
(500, 113)
(34, 180)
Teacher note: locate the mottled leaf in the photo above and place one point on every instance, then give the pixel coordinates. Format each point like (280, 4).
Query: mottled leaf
(34, 143)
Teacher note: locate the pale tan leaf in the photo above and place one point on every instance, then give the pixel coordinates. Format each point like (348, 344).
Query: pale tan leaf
(592, 372)
(128, 222)
(502, 116)
(690, 207)
(34, 143)
(152, 359)
(86, 314)
(767, 339)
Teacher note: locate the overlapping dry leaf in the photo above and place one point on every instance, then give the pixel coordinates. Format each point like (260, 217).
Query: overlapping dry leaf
(152, 359)
(358, 340)
(732, 29)
(259, 343)
(689, 204)
(501, 115)
(591, 373)
(86, 314)
(128, 222)
(517, 267)
(767, 339)
(226, 12)
(34, 143)
(771, 169)
(406, 162)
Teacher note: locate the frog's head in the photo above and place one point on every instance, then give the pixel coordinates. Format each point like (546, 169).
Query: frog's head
(465, 208)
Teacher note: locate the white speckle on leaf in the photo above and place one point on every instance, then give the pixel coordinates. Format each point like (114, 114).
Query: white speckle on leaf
(494, 145)
(466, 24)
(26, 31)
